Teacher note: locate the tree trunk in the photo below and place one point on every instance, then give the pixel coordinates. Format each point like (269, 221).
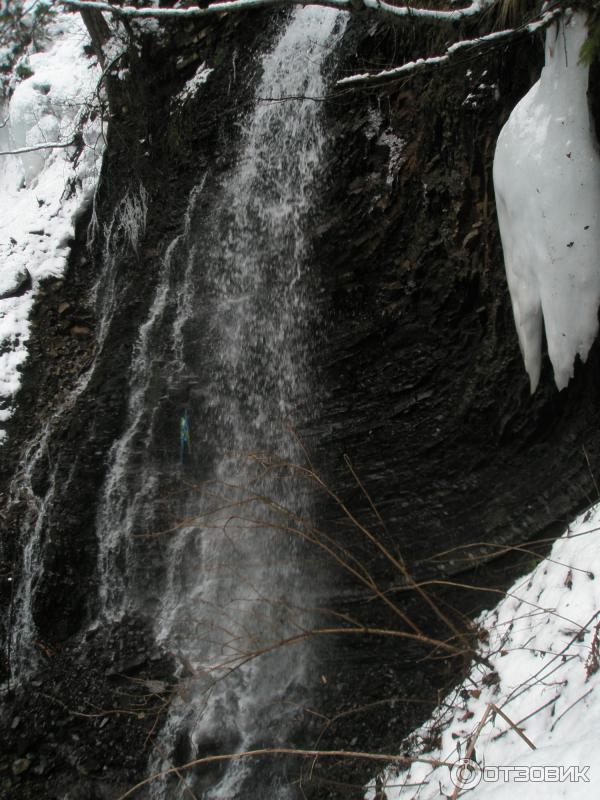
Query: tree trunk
(98, 30)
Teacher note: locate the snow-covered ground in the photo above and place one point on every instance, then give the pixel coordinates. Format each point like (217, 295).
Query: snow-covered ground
(541, 646)
(42, 192)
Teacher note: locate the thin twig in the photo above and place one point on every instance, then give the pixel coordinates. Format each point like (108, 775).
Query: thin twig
(513, 726)
(290, 751)
(583, 696)
(471, 745)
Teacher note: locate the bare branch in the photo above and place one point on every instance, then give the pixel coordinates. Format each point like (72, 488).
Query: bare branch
(290, 751)
(515, 727)
(466, 47)
(235, 662)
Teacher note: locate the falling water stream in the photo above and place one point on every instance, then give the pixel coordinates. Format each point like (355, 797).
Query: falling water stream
(225, 353)
(219, 377)
(124, 229)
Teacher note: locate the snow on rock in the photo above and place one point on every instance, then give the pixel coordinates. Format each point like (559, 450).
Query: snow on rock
(195, 82)
(547, 183)
(42, 192)
(396, 157)
(542, 670)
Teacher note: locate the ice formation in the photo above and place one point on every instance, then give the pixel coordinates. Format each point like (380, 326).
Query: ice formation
(547, 184)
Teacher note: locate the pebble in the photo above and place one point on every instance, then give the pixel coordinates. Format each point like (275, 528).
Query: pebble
(20, 766)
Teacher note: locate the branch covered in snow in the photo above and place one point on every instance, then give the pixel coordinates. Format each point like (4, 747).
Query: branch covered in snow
(465, 47)
(42, 146)
(379, 6)
(429, 14)
(130, 12)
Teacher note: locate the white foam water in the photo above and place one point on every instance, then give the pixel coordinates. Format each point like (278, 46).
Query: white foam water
(235, 583)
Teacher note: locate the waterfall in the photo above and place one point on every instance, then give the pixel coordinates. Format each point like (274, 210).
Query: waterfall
(245, 334)
(127, 504)
(219, 373)
(20, 631)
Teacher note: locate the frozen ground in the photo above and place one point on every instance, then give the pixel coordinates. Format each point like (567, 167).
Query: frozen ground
(541, 646)
(42, 192)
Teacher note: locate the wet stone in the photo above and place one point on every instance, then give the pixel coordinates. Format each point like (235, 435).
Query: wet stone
(80, 330)
(20, 766)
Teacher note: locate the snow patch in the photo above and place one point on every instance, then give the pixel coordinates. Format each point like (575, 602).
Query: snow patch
(547, 184)
(374, 123)
(541, 646)
(42, 192)
(194, 83)
(396, 145)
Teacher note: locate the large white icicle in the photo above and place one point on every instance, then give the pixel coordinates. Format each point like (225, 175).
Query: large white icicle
(547, 184)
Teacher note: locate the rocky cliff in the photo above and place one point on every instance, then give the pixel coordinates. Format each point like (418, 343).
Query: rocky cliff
(421, 386)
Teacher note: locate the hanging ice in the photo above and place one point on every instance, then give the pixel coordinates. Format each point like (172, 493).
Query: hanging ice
(547, 184)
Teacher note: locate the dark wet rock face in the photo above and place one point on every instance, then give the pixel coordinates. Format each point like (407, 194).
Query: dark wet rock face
(421, 386)
(425, 388)
(77, 729)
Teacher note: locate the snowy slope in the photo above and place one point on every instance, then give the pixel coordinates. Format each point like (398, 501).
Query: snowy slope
(42, 192)
(547, 184)
(542, 671)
